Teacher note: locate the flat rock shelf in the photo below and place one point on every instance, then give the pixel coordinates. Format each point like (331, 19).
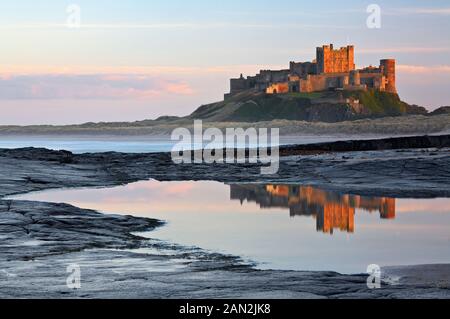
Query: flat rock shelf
(39, 240)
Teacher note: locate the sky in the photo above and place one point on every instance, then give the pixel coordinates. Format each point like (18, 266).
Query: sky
(140, 59)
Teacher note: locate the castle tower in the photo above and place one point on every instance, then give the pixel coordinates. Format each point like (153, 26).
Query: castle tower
(330, 60)
(321, 54)
(388, 68)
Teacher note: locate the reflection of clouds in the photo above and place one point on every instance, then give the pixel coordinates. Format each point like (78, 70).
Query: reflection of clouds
(147, 198)
(402, 228)
(440, 205)
(161, 189)
(178, 189)
(209, 197)
(150, 196)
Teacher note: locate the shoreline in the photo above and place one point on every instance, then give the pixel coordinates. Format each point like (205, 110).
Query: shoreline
(423, 171)
(47, 236)
(393, 125)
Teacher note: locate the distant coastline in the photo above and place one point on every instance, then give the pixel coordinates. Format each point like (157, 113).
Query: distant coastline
(386, 126)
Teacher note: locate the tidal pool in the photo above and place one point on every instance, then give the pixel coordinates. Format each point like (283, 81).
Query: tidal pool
(291, 227)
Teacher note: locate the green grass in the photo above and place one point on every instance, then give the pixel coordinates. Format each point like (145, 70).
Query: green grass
(271, 107)
(311, 95)
(379, 102)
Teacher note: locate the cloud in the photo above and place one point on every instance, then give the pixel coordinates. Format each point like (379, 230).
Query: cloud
(121, 71)
(421, 69)
(183, 26)
(179, 88)
(424, 11)
(404, 50)
(445, 11)
(91, 86)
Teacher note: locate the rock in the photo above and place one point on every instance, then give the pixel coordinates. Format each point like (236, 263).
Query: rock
(424, 172)
(441, 110)
(39, 240)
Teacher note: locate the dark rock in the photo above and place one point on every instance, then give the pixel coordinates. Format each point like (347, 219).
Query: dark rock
(441, 110)
(411, 142)
(416, 109)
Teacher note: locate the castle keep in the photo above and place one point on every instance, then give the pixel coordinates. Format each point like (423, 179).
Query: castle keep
(331, 70)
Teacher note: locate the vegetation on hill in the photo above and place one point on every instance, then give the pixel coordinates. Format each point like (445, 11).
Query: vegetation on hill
(379, 103)
(313, 107)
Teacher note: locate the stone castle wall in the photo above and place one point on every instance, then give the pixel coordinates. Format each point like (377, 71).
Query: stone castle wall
(330, 60)
(332, 69)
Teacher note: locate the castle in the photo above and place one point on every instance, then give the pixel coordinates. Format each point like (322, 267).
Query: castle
(331, 70)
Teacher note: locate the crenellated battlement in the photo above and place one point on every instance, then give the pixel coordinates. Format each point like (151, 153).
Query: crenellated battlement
(333, 69)
(330, 60)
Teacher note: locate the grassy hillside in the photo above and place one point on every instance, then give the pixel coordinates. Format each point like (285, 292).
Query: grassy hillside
(379, 103)
(318, 106)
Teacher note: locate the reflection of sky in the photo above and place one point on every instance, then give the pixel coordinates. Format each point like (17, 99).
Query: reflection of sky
(202, 214)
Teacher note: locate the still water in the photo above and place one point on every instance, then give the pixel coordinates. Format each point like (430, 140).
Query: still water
(281, 226)
(137, 144)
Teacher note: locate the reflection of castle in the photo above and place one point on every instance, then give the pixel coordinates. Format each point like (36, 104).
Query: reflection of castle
(331, 210)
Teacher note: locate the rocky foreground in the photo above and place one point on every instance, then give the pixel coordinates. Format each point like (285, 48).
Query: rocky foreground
(39, 240)
(398, 167)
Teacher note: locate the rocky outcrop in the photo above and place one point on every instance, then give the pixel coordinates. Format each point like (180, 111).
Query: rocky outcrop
(410, 142)
(441, 110)
(31, 230)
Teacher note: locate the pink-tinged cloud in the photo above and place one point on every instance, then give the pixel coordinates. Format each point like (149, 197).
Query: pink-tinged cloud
(91, 86)
(403, 50)
(420, 69)
(439, 205)
(123, 72)
(179, 88)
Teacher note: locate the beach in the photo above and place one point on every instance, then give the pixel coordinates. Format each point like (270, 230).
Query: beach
(40, 239)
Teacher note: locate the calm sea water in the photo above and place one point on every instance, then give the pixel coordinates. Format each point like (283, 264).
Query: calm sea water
(139, 144)
(281, 226)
